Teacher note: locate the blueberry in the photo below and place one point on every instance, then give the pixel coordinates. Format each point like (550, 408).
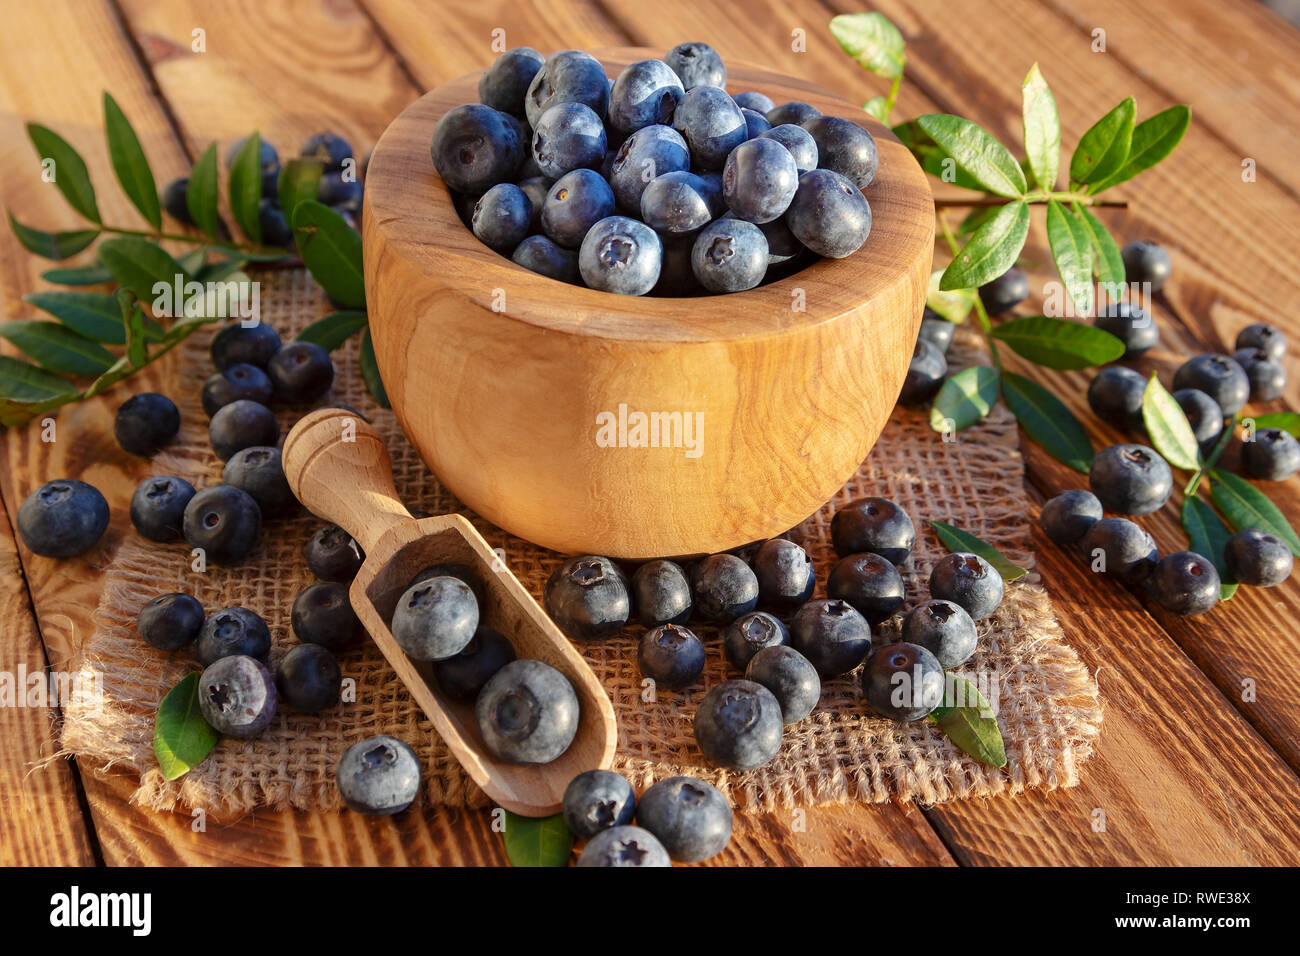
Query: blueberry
(1130, 479)
(1203, 414)
(750, 633)
(942, 628)
(677, 204)
(275, 228)
(451, 570)
(435, 619)
(175, 200)
(1006, 291)
(829, 214)
(670, 655)
(785, 573)
(620, 255)
(236, 382)
(793, 113)
(330, 148)
(1115, 395)
(233, 632)
(332, 555)
(676, 277)
(712, 125)
(575, 203)
(645, 93)
(475, 147)
(1068, 516)
(877, 525)
(697, 64)
(798, 141)
(224, 522)
(501, 217)
(539, 254)
(1146, 261)
(790, 677)
(238, 344)
(268, 161)
(724, 587)
(729, 255)
(170, 621)
(1124, 549)
(237, 696)
(1272, 454)
(1132, 325)
(759, 180)
(504, 84)
(379, 776)
(968, 581)
(257, 470)
(342, 190)
(462, 677)
(832, 635)
(146, 423)
(301, 372)
(690, 817)
(242, 424)
(750, 100)
(62, 518)
(756, 124)
(845, 147)
(597, 800)
(1267, 379)
(322, 614)
(1185, 583)
(645, 155)
(568, 136)
(925, 374)
(569, 76)
(534, 189)
(624, 846)
(903, 682)
(1219, 377)
(158, 507)
(1257, 558)
(587, 597)
(308, 678)
(738, 726)
(936, 330)
(868, 582)
(661, 594)
(527, 712)
(1265, 337)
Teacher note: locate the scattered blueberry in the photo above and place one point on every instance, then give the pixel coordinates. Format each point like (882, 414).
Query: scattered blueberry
(1132, 325)
(1124, 549)
(868, 582)
(587, 597)
(462, 677)
(624, 846)
(1185, 583)
(1272, 455)
(620, 255)
(475, 147)
(785, 573)
(903, 682)
(829, 214)
(301, 372)
(330, 148)
(235, 382)
(242, 424)
(175, 200)
(435, 619)
(237, 344)
(1265, 337)
(877, 525)
(233, 632)
(644, 156)
(925, 374)
(798, 141)
(646, 93)
(678, 203)
(1006, 291)
(224, 522)
(379, 776)
(670, 655)
(504, 84)
(844, 147)
(308, 678)
(569, 76)
(1267, 379)
(575, 203)
(237, 696)
(750, 633)
(568, 136)
(968, 581)
(146, 423)
(322, 614)
(661, 594)
(790, 677)
(750, 100)
(275, 228)
(62, 518)
(1068, 516)
(724, 588)
(942, 628)
(158, 507)
(501, 217)
(738, 726)
(729, 255)
(793, 113)
(1115, 395)
(268, 161)
(936, 330)
(332, 555)
(341, 190)
(257, 470)
(1218, 376)
(453, 570)
(1203, 414)
(1257, 558)
(697, 64)
(690, 817)
(712, 125)
(1130, 479)
(527, 712)
(1146, 261)
(832, 635)
(759, 180)
(171, 621)
(596, 800)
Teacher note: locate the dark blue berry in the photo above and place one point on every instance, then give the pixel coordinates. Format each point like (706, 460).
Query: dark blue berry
(793, 113)
(535, 189)
(968, 581)
(829, 214)
(568, 136)
(790, 677)
(332, 555)
(301, 372)
(231, 632)
(236, 382)
(926, 374)
(501, 217)
(330, 148)
(569, 76)
(942, 628)
(689, 817)
(868, 582)
(1115, 395)
(624, 846)
(1185, 583)
(756, 124)
(527, 713)
(845, 147)
(750, 100)
(308, 678)
(785, 573)
(677, 204)
(645, 155)
(158, 507)
(759, 180)
(504, 84)
(322, 614)
(539, 254)
(670, 655)
(146, 423)
(620, 255)
(724, 587)
(832, 635)
(576, 202)
(242, 424)
(1218, 376)
(876, 525)
(170, 621)
(750, 633)
(1265, 337)
(239, 344)
(1132, 325)
(738, 726)
(645, 93)
(175, 201)
(258, 471)
(729, 255)
(1146, 261)
(379, 776)
(452, 570)
(661, 594)
(1272, 455)
(268, 161)
(435, 619)
(224, 522)
(798, 141)
(597, 800)
(697, 64)
(1267, 379)
(475, 147)
(1118, 546)
(1006, 291)
(1203, 414)
(462, 677)
(903, 682)
(342, 190)
(1068, 516)
(1257, 558)
(676, 277)
(587, 597)
(1130, 479)
(936, 330)
(712, 125)
(237, 696)
(62, 518)
(275, 229)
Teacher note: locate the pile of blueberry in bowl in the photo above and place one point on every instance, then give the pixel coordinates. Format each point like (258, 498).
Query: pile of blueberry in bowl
(655, 182)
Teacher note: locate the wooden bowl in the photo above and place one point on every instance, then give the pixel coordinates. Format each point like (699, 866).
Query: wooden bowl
(502, 378)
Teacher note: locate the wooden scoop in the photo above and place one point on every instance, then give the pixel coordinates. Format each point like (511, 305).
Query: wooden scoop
(338, 466)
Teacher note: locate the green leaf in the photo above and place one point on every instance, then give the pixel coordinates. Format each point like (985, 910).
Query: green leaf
(1167, 426)
(1153, 139)
(130, 163)
(976, 218)
(1245, 506)
(1047, 421)
(955, 539)
(331, 250)
(537, 841)
(967, 720)
(83, 275)
(933, 159)
(370, 372)
(52, 245)
(224, 249)
(334, 329)
(1059, 343)
(201, 192)
(246, 187)
(872, 40)
(181, 737)
(991, 251)
(299, 181)
(976, 151)
(953, 306)
(1287, 421)
(138, 265)
(194, 261)
(70, 174)
(57, 347)
(1107, 263)
(216, 271)
(23, 382)
(877, 107)
(965, 398)
(1207, 535)
(1071, 247)
(132, 322)
(93, 314)
(1104, 149)
(1042, 129)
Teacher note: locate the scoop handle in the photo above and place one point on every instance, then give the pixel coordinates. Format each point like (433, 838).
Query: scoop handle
(338, 466)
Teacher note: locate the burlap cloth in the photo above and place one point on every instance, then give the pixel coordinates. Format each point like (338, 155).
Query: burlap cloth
(1048, 704)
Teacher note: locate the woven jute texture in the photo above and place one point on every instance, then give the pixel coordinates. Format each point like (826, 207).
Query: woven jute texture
(1046, 701)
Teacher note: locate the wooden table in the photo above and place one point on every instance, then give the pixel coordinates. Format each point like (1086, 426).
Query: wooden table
(1187, 772)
